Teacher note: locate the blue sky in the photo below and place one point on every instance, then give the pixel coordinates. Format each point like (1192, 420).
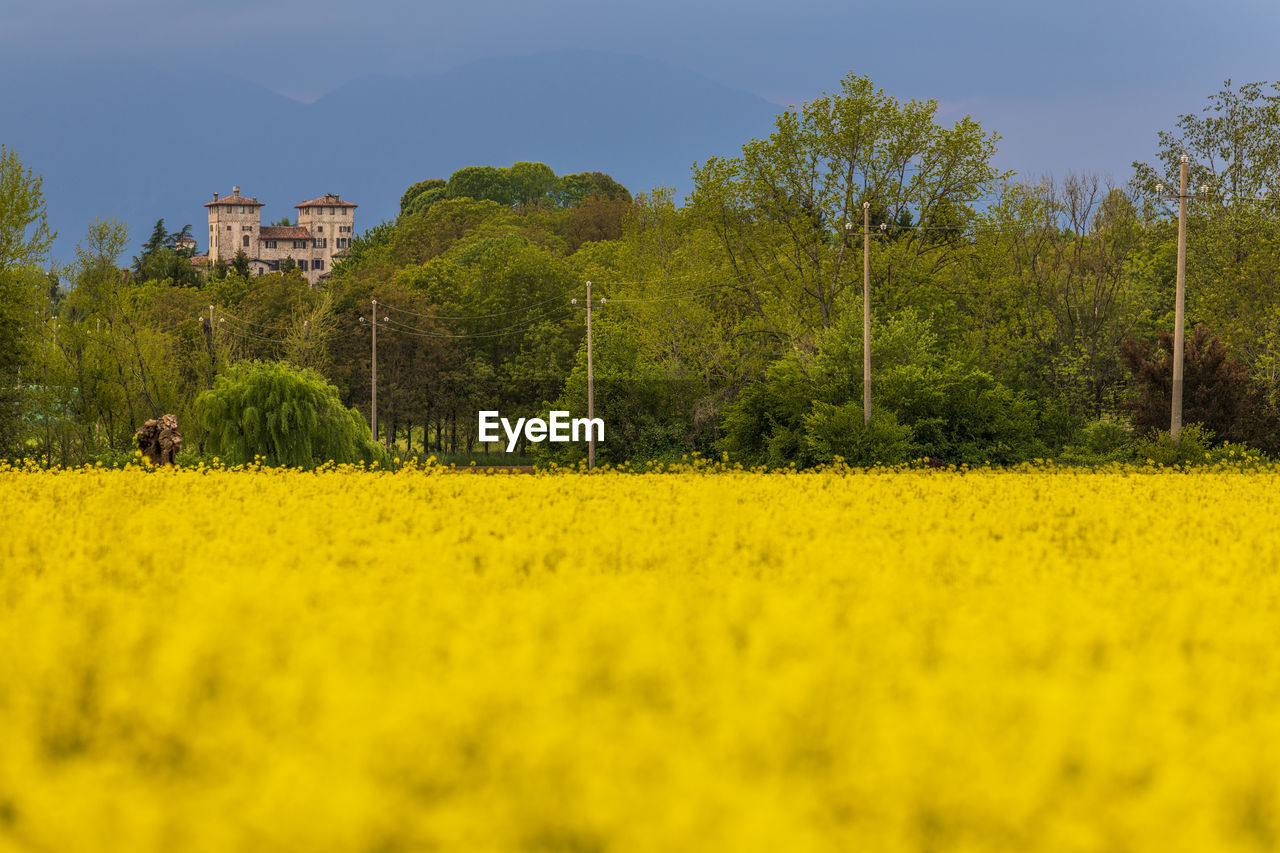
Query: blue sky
(1070, 86)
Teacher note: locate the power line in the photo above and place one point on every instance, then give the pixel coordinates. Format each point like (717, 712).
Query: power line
(547, 301)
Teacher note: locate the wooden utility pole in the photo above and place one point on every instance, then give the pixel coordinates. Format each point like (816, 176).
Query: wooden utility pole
(866, 312)
(1180, 297)
(591, 389)
(1175, 422)
(373, 382)
(208, 342)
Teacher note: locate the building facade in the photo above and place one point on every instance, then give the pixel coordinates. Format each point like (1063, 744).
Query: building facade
(323, 233)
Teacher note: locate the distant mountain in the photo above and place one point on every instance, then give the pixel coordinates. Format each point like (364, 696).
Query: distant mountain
(140, 144)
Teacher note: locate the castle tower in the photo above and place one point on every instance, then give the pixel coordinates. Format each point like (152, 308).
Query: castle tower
(331, 222)
(234, 222)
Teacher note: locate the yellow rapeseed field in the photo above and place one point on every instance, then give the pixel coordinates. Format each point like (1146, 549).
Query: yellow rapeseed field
(1040, 659)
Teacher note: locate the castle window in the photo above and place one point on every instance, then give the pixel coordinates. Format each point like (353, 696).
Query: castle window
(331, 211)
(228, 227)
(319, 243)
(246, 241)
(317, 265)
(241, 208)
(342, 211)
(320, 230)
(246, 227)
(268, 244)
(299, 244)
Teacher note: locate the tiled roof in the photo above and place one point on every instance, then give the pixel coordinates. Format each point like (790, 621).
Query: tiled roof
(234, 199)
(283, 232)
(326, 201)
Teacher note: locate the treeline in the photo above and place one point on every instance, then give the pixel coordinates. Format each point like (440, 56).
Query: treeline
(1012, 319)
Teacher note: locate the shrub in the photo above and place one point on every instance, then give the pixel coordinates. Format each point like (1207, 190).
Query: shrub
(282, 415)
(840, 431)
(1099, 442)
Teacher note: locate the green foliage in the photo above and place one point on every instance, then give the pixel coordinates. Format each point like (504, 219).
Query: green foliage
(766, 424)
(648, 413)
(1099, 442)
(421, 236)
(418, 189)
(1193, 446)
(25, 237)
(533, 183)
(575, 189)
(24, 245)
(834, 433)
(240, 264)
(960, 414)
(423, 201)
(1217, 390)
(524, 183)
(483, 183)
(368, 249)
(924, 403)
(283, 416)
(784, 210)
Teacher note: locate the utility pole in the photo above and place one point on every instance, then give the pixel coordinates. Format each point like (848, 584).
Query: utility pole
(1175, 421)
(208, 341)
(373, 381)
(866, 312)
(591, 379)
(591, 389)
(1179, 311)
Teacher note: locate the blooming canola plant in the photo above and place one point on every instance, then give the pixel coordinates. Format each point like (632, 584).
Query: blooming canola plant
(1042, 658)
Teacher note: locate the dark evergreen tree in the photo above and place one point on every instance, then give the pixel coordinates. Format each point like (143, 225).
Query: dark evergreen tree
(240, 264)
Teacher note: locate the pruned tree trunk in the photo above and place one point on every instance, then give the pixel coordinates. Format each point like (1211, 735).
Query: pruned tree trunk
(160, 440)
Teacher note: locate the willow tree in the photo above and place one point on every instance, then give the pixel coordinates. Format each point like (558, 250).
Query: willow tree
(283, 415)
(788, 211)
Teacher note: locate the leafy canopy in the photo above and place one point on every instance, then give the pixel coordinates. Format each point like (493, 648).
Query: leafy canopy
(285, 415)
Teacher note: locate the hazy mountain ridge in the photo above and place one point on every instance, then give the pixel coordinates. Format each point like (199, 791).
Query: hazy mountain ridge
(139, 143)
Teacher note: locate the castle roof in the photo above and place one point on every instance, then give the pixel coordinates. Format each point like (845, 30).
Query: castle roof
(327, 200)
(283, 232)
(234, 198)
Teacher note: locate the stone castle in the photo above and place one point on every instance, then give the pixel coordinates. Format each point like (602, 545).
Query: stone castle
(323, 233)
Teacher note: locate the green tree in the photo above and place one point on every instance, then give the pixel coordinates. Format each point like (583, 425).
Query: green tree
(1218, 391)
(1054, 285)
(533, 183)
(785, 210)
(25, 240)
(483, 183)
(575, 189)
(176, 241)
(156, 242)
(370, 248)
(1233, 245)
(240, 264)
(418, 189)
(422, 236)
(285, 416)
(925, 402)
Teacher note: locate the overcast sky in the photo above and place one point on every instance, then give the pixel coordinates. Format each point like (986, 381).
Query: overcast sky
(1081, 85)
